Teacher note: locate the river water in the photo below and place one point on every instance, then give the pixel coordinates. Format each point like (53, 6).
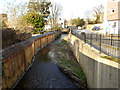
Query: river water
(44, 73)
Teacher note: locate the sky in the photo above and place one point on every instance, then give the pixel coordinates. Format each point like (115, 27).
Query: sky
(71, 8)
(77, 8)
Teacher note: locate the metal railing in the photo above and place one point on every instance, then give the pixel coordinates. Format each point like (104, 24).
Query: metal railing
(108, 44)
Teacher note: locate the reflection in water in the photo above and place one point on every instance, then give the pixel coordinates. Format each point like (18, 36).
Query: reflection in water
(44, 73)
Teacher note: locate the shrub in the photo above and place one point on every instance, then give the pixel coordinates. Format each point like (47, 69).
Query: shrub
(36, 20)
(11, 36)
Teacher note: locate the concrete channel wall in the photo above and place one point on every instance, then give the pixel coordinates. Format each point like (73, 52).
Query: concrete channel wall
(18, 58)
(100, 72)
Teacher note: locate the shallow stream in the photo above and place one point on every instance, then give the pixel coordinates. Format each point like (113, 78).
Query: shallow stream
(44, 73)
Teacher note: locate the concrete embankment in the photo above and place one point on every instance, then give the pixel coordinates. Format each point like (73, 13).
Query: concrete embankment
(18, 58)
(100, 72)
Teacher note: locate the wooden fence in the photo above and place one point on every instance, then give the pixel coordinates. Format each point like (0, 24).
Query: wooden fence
(17, 58)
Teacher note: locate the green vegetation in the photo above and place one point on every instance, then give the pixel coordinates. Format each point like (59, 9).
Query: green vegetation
(57, 28)
(40, 6)
(37, 14)
(112, 59)
(24, 19)
(11, 36)
(36, 20)
(74, 67)
(78, 22)
(89, 20)
(22, 15)
(4, 24)
(63, 42)
(69, 64)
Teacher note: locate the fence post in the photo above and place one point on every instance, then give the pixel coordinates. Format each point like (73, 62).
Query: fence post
(91, 40)
(85, 38)
(96, 37)
(47, 39)
(111, 39)
(25, 63)
(118, 45)
(40, 43)
(100, 43)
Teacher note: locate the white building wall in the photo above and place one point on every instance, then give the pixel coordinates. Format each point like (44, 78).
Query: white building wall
(105, 23)
(119, 27)
(102, 27)
(47, 27)
(113, 30)
(109, 27)
(62, 23)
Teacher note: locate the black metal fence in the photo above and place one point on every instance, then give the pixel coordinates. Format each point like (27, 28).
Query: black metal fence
(108, 44)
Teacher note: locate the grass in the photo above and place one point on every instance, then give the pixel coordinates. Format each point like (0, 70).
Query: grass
(62, 43)
(75, 68)
(68, 61)
(112, 59)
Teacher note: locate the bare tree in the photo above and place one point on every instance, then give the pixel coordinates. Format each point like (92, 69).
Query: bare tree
(98, 13)
(15, 10)
(56, 11)
(88, 15)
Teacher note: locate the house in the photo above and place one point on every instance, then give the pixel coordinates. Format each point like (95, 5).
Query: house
(69, 23)
(113, 16)
(4, 17)
(47, 27)
(61, 23)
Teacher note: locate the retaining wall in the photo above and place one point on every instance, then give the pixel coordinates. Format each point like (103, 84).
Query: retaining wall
(17, 58)
(100, 72)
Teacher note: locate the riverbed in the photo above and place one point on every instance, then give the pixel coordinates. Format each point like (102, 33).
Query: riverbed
(44, 73)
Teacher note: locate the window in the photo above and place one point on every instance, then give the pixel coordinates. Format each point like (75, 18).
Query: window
(114, 26)
(112, 11)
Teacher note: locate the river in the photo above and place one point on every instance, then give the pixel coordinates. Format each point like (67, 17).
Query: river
(44, 73)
